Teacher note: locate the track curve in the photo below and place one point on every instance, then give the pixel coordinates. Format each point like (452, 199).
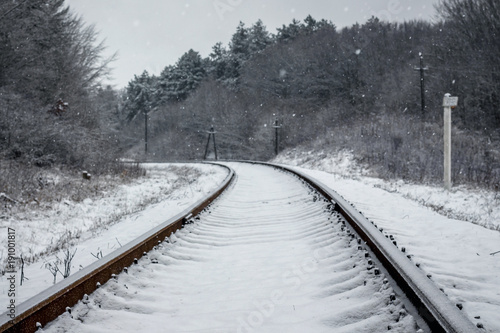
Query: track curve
(52, 302)
(276, 251)
(269, 255)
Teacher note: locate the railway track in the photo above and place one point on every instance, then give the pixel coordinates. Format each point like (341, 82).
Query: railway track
(274, 252)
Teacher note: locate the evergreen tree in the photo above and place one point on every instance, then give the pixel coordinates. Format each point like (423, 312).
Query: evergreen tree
(218, 64)
(244, 43)
(239, 52)
(140, 95)
(290, 32)
(177, 82)
(259, 38)
(239, 44)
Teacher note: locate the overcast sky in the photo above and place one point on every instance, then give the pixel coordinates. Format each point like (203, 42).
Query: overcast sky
(151, 34)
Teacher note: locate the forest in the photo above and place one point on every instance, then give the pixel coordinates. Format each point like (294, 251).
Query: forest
(54, 115)
(374, 89)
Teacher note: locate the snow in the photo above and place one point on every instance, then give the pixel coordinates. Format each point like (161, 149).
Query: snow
(97, 226)
(248, 265)
(451, 235)
(475, 205)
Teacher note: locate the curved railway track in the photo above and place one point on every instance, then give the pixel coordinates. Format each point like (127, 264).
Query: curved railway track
(274, 252)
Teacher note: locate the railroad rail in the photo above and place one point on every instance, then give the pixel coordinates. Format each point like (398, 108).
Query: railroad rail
(51, 303)
(432, 305)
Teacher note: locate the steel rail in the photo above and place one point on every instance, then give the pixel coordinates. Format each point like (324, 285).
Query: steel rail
(440, 314)
(51, 303)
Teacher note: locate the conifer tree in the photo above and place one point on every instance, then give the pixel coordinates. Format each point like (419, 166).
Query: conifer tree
(259, 38)
(140, 95)
(187, 75)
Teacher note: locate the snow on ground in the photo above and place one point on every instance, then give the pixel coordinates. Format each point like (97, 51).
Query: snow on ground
(475, 205)
(453, 236)
(247, 266)
(97, 226)
(434, 226)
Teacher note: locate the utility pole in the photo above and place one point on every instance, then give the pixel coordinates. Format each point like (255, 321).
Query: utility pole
(211, 133)
(146, 132)
(276, 137)
(421, 69)
(449, 102)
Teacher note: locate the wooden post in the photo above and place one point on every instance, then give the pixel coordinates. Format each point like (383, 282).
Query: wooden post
(215, 146)
(206, 147)
(146, 132)
(421, 69)
(276, 137)
(211, 133)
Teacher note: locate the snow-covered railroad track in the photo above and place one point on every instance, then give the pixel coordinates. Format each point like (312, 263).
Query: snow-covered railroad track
(270, 255)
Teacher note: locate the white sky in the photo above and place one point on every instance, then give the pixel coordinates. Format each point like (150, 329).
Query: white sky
(151, 34)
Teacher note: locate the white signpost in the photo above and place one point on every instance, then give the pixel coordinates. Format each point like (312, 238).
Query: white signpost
(449, 102)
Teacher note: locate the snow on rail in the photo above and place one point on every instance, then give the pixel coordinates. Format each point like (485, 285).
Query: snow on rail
(50, 303)
(438, 311)
(269, 255)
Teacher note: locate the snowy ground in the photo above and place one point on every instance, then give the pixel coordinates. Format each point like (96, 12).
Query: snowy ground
(268, 257)
(97, 226)
(464, 203)
(453, 236)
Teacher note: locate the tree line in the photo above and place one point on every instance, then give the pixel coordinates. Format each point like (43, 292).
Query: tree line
(53, 110)
(320, 82)
(56, 120)
(355, 88)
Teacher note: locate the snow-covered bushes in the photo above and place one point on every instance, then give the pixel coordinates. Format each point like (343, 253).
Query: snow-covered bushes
(403, 147)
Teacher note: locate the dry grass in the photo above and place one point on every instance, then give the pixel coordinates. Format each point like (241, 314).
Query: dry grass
(22, 187)
(399, 146)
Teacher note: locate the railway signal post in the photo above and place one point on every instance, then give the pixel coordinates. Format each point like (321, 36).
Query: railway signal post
(449, 102)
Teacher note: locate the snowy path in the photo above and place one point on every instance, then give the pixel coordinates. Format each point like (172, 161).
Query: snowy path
(266, 258)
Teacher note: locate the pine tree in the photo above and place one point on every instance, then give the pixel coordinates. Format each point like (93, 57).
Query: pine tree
(218, 64)
(140, 95)
(244, 43)
(239, 45)
(259, 38)
(177, 82)
(290, 32)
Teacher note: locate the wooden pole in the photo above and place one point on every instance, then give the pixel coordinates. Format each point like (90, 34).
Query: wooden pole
(421, 69)
(146, 132)
(276, 137)
(215, 146)
(211, 133)
(206, 147)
